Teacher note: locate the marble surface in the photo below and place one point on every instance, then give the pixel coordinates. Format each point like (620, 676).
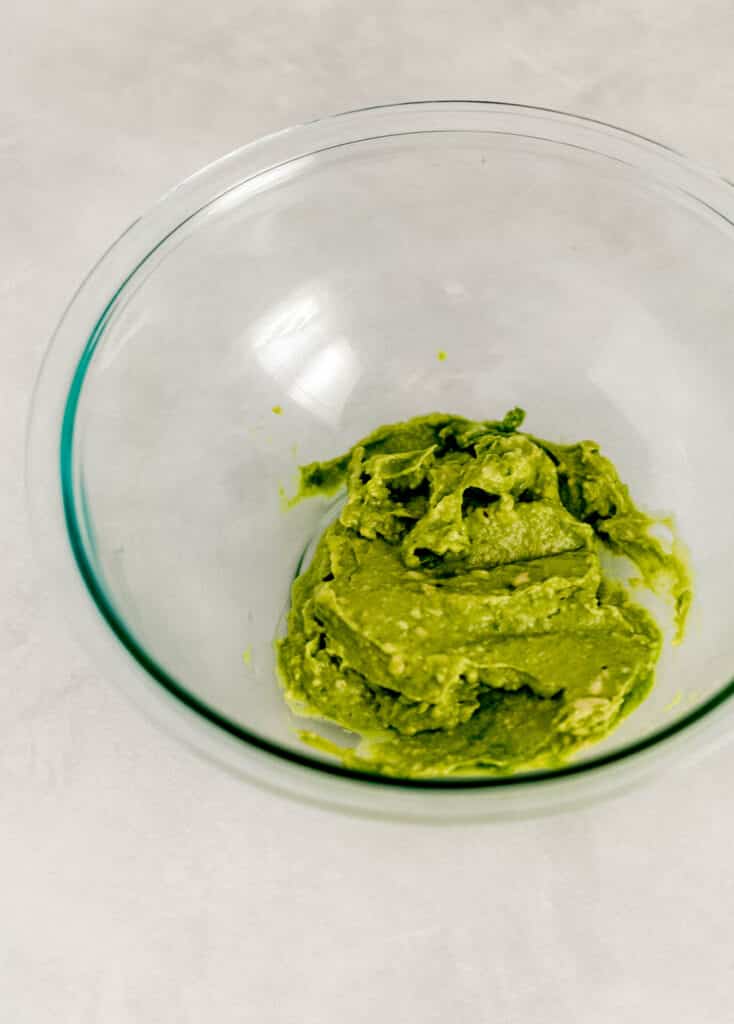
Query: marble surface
(138, 884)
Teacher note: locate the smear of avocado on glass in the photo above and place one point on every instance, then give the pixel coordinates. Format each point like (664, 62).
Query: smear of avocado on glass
(456, 616)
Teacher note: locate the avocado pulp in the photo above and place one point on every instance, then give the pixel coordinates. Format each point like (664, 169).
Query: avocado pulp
(456, 615)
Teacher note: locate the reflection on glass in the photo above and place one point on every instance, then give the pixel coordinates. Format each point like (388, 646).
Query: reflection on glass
(285, 338)
(327, 380)
(294, 345)
(264, 182)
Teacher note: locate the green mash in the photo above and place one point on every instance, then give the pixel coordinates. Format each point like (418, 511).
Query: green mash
(456, 615)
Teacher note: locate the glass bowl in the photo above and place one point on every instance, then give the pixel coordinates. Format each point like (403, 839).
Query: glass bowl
(281, 303)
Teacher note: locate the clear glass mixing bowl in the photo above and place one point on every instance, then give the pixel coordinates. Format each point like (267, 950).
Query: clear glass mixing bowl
(574, 269)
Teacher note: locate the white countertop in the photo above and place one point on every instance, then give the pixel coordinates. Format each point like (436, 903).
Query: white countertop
(139, 884)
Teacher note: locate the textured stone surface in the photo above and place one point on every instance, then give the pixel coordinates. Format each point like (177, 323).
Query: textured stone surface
(137, 883)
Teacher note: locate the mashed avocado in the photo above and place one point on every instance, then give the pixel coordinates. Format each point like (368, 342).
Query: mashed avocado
(456, 616)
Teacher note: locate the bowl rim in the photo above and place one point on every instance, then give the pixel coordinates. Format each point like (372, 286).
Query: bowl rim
(50, 444)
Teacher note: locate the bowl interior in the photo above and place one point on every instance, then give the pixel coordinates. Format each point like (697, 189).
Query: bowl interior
(307, 305)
